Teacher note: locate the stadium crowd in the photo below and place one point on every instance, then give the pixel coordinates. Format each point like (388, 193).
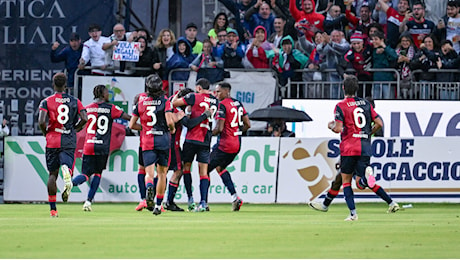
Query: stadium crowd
(377, 40)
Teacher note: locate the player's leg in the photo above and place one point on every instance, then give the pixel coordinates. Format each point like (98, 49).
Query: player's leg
(141, 182)
(203, 158)
(330, 196)
(149, 163)
(189, 152)
(162, 170)
(86, 171)
(66, 159)
(99, 165)
(175, 165)
(52, 163)
(348, 164)
(363, 181)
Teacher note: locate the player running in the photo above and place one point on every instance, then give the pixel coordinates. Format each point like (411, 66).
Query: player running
(231, 121)
(96, 149)
(353, 120)
(155, 113)
(65, 115)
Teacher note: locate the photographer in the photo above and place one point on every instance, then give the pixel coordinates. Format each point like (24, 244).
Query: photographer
(277, 128)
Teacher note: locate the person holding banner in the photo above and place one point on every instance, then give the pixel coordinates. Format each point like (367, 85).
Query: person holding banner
(229, 141)
(353, 120)
(96, 149)
(155, 113)
(119, 35)
(65, 115)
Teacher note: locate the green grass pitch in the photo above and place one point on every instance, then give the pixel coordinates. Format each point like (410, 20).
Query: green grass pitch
(257, 231)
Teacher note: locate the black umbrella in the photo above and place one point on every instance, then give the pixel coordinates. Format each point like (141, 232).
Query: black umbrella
(278, 112)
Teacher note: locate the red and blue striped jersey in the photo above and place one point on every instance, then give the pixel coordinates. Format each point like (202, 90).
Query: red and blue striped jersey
(357, 116)
(99, 127)
(202, 133)
(155, 131)
(231, 111)
(63, 114)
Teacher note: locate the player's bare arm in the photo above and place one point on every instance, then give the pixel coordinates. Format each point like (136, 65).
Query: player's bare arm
(136, 126)
(42, 116)
(133, 122)
(219, 127)
(170, 122)
(335, 126)
(378, 123)
(246, 123)
(83, 120)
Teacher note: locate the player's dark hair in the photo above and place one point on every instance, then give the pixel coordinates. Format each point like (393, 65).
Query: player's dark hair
(98, 91)
(225, 85)
(204, 83)
(350, 85)
(154, 86)
(184, 92)
(59, 80)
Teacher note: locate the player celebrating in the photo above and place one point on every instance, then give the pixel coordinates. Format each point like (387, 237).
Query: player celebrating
(353, 120)
(198, 139)
(65, 114)
(155, 113)
(232, 120)
(96, 149)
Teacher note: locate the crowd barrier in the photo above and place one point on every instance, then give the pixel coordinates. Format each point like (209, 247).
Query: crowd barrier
(331, 89)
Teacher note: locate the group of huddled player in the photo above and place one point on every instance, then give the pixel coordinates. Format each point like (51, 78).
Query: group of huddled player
(161, 121)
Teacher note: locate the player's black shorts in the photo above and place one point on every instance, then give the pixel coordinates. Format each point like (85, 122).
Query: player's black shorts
(220, 158)
(94, 164)
(175, 163)
(141, 158)
(160, 157)
(354, 164)
(55, 157)
(190, 150)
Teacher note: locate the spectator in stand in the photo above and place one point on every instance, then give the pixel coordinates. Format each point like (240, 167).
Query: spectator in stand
(448, 59)
(285, 62)
(144, 32)
(379, 15)
(416, 24)
(361, 23)
(393, 19)
(4, 129)
(239, 9)
(260, 15)
(182, 58)
(93, 52)
(232, 52)
(190, 34)
(119, 34)
(256, 50)
(448, 27)
(335, 20)
(162, 52)
(145, 58)
(220, 39)
(359, 58)
(220, 23)
(383, 57)
(278, 26)
(406, 51)
(333, 49)
(207, 65)
(307, 19)
(315, 63)
(70, 55)
(280, 8)
(373, 28)
(425, 59)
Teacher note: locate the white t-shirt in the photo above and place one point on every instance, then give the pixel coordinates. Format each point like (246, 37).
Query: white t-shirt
(453, 32)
